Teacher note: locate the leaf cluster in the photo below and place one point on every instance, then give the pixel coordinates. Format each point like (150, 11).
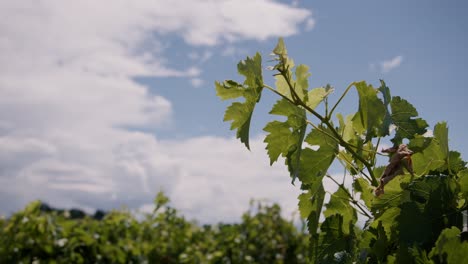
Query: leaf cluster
(408, 222)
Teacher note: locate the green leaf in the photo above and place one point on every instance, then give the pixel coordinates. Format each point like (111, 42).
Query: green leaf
(251, 68)
(285, 138)
(387, 220)
(282, 85)
(305, 204)
(367, 192)
(414, 226)
(369, 118)
(159, 201)
(333, 240)
(402, 117)
(300, 85)
(302, 82)
(280, 48)
(453, 161)
(317, 95)
(463, 182)
(448, 247)
(285, 84)
(441, 134)
(456, 162)
(381, 243)
(280, 140)
(346, 129)
(339, 204)
(315, 163)
(387, 121)
(393, 196)
(240, 113)
(310, 207)
(419, 143)
(229, 90)
(430, 159)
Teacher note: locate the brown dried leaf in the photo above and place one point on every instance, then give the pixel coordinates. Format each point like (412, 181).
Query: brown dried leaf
(400, 159)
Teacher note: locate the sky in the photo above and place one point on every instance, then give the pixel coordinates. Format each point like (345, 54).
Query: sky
(105, 103)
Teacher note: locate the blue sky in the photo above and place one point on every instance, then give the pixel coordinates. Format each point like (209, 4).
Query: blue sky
(104, 104)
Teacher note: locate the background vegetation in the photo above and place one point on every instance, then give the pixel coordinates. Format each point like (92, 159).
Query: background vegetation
(35, 235)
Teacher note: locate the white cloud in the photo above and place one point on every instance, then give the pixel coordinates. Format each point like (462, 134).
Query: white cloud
(200, 57)
(197, 82)
(218, 177)
(231, 50)
(391, 64)
(310, 24)
(213, 22)
(67, 92)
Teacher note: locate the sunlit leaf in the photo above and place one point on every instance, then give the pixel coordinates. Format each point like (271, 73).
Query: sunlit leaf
(407, 126)
(431, 158)
(448, 247)
(369, 118)
(240, 113)
(387, 120)
(463, 181)
(367, 192)
(317, 95)
(315, 163)
(285, 138)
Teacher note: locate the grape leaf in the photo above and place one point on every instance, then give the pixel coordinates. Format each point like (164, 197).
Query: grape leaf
(456, 162)
(334, 245)
(229, 89)
(393, 196)
(414, 227)
(387, 120)
(402, 117)
(367, 192)
(346, 129)
(441, 134)
(430, 159)
(315, 163)
(310, 207)
(387, 220)
(285, 138)
(317, 95)
(339, 204)
(286, 64)
(463, 181)
(448, 248)
(369, 118)
(240, 113)
(381, 243)
(302, 83)
(280, 48)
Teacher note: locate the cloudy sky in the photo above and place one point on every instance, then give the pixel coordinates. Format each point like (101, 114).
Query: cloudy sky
(104, 103)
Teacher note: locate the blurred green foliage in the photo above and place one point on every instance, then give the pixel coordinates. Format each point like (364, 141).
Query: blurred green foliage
(164, 236)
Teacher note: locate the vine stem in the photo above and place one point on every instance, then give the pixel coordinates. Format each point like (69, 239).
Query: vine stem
(325, 120)
(375, 152)
(343, 143)
(351, 198)
(341, 98)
